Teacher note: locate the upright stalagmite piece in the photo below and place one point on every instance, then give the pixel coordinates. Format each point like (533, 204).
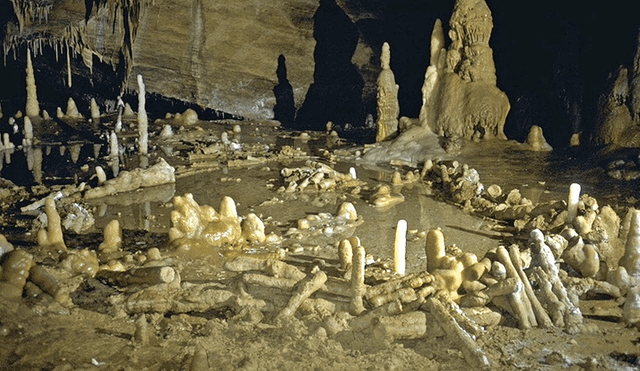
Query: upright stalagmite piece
(388, 108)
(358, 288)
(33, 108)
(112, 238)
(143, 134)
(95, 110)
(399, 247)
(572, 203)
(460, 97)
(536, 141)
(631, 262)
(28, 132)
(52, 235)
(72, 110)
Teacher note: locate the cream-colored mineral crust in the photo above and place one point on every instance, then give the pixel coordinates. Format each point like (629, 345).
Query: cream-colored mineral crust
(160, 173)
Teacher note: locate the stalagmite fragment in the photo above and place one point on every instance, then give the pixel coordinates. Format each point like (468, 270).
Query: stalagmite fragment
(143, 332)
(345, 256)
(399, 247)
(158, 174)
(49, 284)
(72, 110)
(631, 262)
(28, 132)
(358, 288)
(276, 268)
(541, 316)
(138, 276)
(472, 353)
(112, 238)
(536, 141)
(95, 110)
(113, 145)
(412, 325)
(364, 321)
(143, 134)
(200, 361)
(305, 288)
(101, 175)
(572, 203)
(33, 107)
(517, 300)
(6, 142)
(253, 229)
(51, 237)
(14, 273)
(434, 249)
(545, 259)
(347, 211)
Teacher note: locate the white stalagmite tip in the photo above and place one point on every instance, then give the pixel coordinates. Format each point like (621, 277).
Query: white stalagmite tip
(572, 204)
(400, 247)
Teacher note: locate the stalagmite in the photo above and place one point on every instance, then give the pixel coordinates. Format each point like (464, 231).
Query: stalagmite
(28, 132)
(399, 247)
(33, 108)
(48, 283)
(14, 273)
(52, 235)
(471, 352)
(95, 110)
(541, 316)
(101, 175)
(345, 256)
(305, 288)
(138, 276)
(358, 288)
(143, 134)
(72, 110)
(388, 108)
(631, 262)
(112, 238)
(517, 300)
(113, 145)
(572, 203)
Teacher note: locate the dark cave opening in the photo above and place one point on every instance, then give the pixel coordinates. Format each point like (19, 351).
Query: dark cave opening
(336, 93)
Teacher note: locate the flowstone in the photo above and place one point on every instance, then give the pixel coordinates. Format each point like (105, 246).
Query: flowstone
(460, 97)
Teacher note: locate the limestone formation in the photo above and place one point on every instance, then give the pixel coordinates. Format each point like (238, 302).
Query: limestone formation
(536, 141)
(33, 108)
(143, 122)
(460, 97)
(388, 108)
(615, 125)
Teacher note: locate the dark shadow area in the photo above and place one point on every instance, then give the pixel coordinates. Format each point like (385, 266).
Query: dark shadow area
(284, 110)
(336, 94)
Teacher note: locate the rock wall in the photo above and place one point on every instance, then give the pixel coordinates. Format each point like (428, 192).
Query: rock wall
(224, 54)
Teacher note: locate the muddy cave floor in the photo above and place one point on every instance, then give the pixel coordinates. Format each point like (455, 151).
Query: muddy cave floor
(39, 334)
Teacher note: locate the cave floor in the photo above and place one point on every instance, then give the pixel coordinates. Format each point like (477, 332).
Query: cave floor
(244, 160)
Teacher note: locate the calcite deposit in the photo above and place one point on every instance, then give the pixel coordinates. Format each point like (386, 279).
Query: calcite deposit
(460, 97)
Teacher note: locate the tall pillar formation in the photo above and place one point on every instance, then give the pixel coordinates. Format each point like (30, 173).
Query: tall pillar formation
(460, 96)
